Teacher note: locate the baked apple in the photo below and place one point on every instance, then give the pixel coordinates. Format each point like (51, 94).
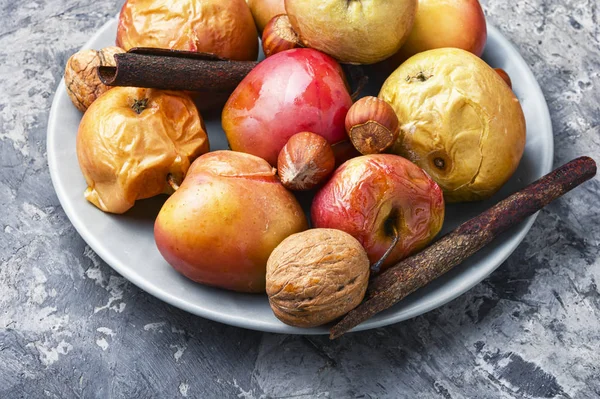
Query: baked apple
(137, 143)
(459, 121)
(224, 28)
(357, 32)
(384, 201)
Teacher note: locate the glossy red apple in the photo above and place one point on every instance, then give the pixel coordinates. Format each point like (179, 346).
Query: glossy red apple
(221, 225)
(375, 197)
(446, 23)
(300, 90)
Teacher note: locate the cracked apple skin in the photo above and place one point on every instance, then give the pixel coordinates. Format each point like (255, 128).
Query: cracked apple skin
(459, 121)
(300, 90)
(369, 196)
(224, 28)
(221, 225)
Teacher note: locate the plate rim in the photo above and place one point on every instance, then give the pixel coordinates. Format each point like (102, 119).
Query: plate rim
(229, 319)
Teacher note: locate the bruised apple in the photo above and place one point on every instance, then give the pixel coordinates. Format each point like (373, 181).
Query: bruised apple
(446, 23)
(224, 28)
(380, 198)
(221, 225)
(300, 90)
(459, 121)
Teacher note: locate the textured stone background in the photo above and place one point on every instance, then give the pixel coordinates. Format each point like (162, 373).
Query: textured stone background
(71, 327)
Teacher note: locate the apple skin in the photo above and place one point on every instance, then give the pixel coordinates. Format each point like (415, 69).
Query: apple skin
(221, 225)
(370, 194)
(446, 23)
(299, 90)
(264, 10)
(353, 31)
(224, 28)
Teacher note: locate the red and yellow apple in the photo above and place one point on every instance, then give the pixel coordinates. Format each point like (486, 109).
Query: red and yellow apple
(224, 28)
(221, 225)
(300, 90)
(446, 23)
(264, 10)
(375, 197)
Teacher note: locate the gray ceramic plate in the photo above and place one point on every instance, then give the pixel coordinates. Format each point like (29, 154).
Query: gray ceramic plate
(126, 242)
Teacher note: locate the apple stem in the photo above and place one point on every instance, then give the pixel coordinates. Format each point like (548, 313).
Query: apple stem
(139, 105)
(172, 182)
(377, 265)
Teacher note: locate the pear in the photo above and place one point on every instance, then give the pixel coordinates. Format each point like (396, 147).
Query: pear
(228, 215)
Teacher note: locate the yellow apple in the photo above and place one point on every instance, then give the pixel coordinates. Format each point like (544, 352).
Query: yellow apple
(459, 121)
(358, 32)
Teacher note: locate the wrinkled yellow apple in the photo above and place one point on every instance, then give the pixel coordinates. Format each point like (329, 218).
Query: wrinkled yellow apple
(353, 31)
(132, 142)
(459, 122)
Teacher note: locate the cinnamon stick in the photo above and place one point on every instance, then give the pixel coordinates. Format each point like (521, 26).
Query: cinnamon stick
(175, 70)
(413, 273)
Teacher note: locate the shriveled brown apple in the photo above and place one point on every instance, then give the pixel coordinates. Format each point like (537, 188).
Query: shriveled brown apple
(135, 143)
(224, 28)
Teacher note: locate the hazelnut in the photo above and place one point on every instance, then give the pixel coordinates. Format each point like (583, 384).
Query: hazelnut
(279, 36)
(81, 79)
(372, 125)
(504, 75)
(316, 276)
(305, 161)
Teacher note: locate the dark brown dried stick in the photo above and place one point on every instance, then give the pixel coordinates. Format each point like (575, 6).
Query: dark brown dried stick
(415, 272)
(175, 70)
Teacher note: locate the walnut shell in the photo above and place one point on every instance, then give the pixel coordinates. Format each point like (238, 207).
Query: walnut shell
(81, 79)
(316, 276)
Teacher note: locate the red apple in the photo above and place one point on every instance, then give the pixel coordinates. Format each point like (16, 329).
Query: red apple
(374, 197)
(300, 90)
(221, 225)
(446, 23)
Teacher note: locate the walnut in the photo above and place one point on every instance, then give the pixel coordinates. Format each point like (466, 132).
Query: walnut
(83, 84)
(316, 276)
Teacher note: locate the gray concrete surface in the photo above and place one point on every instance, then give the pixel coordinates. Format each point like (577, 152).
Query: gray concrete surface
(70, 327)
